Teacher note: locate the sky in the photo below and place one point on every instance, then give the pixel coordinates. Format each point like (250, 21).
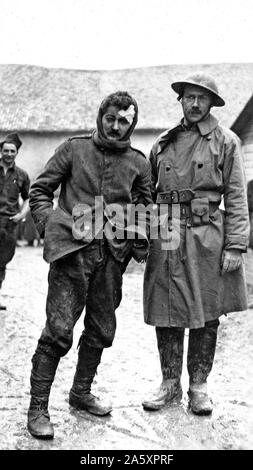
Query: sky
(113, 34)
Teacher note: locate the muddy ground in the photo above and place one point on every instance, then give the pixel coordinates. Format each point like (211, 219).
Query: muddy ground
(128, 371)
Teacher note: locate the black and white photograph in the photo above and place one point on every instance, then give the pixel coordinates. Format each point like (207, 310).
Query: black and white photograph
(126, 230)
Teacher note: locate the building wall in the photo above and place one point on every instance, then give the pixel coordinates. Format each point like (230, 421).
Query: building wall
(246, 128)
(143, 140)
(245, 132)
(248, 160)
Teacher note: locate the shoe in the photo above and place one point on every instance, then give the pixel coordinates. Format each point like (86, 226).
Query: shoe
(199, 402)
(89, 403)
(169, 391)
(39, 424)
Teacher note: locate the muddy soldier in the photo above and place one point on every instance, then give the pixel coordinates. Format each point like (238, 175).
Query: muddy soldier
(83, 271)
(194, 165)
(14, 182)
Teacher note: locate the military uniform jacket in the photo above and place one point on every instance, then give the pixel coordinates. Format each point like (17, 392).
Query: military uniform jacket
(84, 170)
(13, 184)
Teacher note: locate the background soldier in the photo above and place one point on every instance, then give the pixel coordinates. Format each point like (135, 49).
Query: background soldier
(14, 182)
(195, 164)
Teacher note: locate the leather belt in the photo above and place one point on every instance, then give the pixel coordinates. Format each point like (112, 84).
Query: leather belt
(175, 196)
(186, 212)
(185, 196)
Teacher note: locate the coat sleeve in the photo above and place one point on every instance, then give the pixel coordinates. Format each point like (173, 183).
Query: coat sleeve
(142, 186)
(25, 187)
(154, 171)
(235, 197)
(42, 190)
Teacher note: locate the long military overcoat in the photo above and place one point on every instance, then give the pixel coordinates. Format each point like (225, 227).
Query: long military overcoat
(183, 285)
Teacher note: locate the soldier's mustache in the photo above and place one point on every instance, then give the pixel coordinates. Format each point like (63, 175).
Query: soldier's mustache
(114, 133)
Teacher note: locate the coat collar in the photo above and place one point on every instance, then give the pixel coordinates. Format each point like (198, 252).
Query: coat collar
(205, 127)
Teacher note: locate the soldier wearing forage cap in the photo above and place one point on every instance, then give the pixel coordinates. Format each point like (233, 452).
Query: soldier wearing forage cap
(14, 182)
(85, 270)
(191, 284)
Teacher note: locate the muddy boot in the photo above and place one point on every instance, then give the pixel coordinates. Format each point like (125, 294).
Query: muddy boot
(201, 351)
(80, 395)
(170, 343)
(199, 401)
(42, 376)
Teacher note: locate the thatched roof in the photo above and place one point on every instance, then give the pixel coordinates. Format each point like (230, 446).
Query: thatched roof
(41, 99)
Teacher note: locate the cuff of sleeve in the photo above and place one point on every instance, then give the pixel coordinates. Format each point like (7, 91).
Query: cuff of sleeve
(236, 243)
(40, 222)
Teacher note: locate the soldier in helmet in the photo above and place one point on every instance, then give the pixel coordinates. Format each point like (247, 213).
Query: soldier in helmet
(14, 182)
(192, 282)
(86, 264)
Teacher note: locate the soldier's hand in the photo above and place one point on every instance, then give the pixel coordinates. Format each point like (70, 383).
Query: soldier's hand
(231, 260)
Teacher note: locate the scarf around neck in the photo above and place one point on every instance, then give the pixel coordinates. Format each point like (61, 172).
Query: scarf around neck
(117, 146)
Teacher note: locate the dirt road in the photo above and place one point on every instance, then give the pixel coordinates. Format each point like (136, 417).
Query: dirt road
(128, 370)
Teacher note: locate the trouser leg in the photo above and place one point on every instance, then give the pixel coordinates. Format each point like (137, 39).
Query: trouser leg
(170, 342)
(8, 235)
(200, 357)
(104, 296)
(2, 307)
(2, 274)
(65, 302)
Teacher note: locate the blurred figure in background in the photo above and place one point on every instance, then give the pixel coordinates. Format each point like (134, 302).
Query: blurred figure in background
(14, 182)
(30, 232)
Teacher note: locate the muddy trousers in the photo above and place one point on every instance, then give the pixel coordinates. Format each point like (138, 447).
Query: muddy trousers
(90, 277)
(8, 238)
(200, 356)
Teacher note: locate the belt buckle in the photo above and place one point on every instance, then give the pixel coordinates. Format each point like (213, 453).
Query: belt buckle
(174, 196)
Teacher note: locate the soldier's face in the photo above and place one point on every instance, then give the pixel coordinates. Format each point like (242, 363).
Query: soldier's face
(196, 103)
(114, 125)
(9, 153)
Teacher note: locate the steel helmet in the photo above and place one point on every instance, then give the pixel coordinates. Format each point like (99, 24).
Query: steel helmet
(202, 80)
